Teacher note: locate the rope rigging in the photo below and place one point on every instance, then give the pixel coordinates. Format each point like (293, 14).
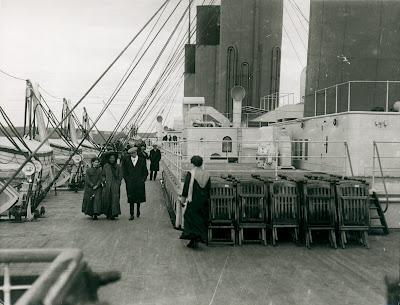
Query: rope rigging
(150, 70)
(7, 183)
(143, 110)
(293, 2)
(13, 130)
(12, 76)
(128, 74)
(295, 27)
(293, 47)
(296, 13)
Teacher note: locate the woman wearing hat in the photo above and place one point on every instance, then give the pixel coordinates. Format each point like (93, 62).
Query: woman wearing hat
(112, 176)
(91, 204)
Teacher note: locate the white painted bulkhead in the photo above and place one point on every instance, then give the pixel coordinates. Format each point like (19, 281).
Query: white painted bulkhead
(322, 139)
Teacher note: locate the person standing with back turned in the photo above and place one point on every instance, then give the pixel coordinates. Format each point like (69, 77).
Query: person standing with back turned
(155, 157)
(196, 192)
(135, 174)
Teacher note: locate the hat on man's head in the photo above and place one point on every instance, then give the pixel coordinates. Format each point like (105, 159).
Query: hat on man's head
(132, 149)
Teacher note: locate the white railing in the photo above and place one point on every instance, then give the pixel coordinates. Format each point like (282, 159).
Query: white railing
(245, 118)
(272, 101)
(348, 86)
(301, 155)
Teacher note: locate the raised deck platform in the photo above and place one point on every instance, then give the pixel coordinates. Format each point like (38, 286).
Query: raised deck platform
(157, 268)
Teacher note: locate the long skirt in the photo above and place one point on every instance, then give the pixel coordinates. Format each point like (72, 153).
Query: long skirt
(92, 204)
(196, 221)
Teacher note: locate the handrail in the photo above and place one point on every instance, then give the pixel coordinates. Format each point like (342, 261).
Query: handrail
(348, 84)
(65, 272)
(383, 177)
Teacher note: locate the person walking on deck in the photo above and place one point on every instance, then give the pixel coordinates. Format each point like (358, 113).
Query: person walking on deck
(135, 175)
(91, 204)
(196, 194)
(142, 152)
(112, 177)
(155, 157)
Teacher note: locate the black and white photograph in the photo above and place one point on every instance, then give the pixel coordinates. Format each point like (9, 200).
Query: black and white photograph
(199, 152)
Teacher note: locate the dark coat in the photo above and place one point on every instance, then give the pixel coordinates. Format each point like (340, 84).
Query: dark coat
(111, 190)
(92, 198)
(155, 157)
(135, 178)
(142, 154)
(196, 214)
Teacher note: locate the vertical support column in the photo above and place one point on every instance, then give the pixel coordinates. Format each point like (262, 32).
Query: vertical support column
(276, 158)
(325, 101)
(373, 165)
(387, 96)
(336, 89)
(315, 103)
(7, 285)
(348, 97)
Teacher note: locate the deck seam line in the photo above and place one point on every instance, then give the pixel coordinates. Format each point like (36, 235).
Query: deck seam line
(219, 280)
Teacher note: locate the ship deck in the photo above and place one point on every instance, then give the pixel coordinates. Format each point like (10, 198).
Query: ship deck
(157, 268)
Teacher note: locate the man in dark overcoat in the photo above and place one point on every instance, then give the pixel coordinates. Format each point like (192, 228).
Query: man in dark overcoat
(155, 157)
(135, 174)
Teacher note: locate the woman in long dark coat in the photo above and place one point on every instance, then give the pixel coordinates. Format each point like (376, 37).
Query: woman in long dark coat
(196, 192)
(112, 176)
(91, 204)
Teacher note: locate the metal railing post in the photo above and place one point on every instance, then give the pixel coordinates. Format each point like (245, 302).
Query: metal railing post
(315, 103)
(348, 97)
(373, 165)
(383, 179)
(336, 99)
(276, 159)
(387, 96)
(7, 285)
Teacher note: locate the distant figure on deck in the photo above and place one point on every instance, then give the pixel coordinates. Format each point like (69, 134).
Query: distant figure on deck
(135, 175)
(165, 138)
(175, 138)
(196, 194)
(155, 157)
(91, 204)
(112, 177)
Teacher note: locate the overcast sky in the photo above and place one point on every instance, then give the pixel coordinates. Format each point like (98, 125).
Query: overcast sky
(66, 45)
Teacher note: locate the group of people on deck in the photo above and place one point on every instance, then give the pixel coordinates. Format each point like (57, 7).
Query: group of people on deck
(102, 190)
(103, 183)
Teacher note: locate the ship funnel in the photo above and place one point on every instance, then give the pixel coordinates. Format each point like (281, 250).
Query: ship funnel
(238, 93)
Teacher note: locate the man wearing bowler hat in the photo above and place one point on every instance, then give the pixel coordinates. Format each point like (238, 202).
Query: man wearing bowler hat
(135, 175)
(155, 157)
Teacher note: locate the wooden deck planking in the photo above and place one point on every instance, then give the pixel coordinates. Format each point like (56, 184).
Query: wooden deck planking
(158, 269)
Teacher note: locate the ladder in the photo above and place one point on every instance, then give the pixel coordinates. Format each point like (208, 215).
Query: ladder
(377, 216)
